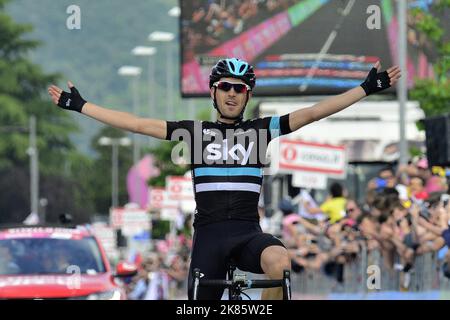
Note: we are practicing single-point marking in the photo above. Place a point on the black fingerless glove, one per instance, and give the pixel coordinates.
(71, 101)
(376, 82)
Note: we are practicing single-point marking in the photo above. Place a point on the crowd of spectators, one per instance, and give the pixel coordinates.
(162, 272)
(206, 24)
(405, 214)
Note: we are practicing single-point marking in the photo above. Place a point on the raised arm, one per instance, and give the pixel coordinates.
(73, 101)
(437, 230)
(376, 81)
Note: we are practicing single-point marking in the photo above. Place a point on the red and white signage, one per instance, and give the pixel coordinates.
(300, 156)
(179, 188)
(130, 221)
(159, 199)
(309, 180)
(178, 194)
(157, 196)
(107, 237)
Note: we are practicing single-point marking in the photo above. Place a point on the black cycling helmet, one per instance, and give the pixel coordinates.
(232, 68)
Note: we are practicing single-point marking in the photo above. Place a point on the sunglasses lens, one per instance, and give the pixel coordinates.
(240, 88)
(226, 86)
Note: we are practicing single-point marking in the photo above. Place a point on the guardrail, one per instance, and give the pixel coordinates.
(426, 275)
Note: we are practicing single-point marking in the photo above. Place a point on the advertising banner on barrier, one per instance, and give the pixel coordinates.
(130, 220)
(300, 156)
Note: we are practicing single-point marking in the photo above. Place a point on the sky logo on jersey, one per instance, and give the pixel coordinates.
(221, 152)
(212, 146)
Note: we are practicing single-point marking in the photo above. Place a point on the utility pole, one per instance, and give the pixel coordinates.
(34, 169)
(402, 89)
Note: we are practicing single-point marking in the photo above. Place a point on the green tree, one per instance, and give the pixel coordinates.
(22, 89)
(99, 48)
(163, 161)
(22, 94)
(434, 94)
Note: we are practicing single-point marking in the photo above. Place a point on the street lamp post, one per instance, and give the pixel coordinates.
(142, 51)
(34, 167)
(174, 12)
(402, 89)
(134, 72)
(167, 37)
(114, 143)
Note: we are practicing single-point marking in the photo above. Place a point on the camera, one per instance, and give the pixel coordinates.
(381, 183)
(424, 213)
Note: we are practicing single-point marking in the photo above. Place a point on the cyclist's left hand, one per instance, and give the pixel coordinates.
(377, 81)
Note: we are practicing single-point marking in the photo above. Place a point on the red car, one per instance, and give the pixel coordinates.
(57, 263)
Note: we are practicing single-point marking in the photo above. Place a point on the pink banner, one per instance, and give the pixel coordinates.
(137, 181)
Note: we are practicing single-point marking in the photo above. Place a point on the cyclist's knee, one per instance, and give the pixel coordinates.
(274, 260)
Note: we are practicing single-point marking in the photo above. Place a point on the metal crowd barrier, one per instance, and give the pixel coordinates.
(426, 275)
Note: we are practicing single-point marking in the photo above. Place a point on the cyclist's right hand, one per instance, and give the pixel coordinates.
(67, 100)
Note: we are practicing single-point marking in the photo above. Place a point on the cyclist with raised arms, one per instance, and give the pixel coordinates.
(226, 169)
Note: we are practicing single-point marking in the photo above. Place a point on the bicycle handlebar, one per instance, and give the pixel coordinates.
(256, 284)
(265, 283)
